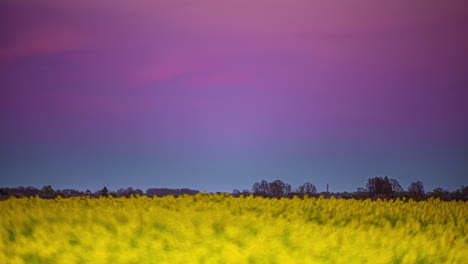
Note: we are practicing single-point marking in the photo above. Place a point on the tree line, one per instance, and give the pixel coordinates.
(376, 187)
(49, 192)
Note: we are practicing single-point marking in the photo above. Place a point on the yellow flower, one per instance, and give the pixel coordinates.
(219, 228)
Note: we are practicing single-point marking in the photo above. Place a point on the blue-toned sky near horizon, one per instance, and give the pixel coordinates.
(216, 95)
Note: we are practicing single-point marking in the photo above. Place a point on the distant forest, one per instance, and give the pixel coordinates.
(377, 187)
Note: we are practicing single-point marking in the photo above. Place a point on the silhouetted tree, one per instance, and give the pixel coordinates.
(287, 189)
(256, 188)
(265, 188)
(165, 191)
(277, 188)
(396, 187)
(416, 190)
(120, 192)
(4, 191)
(125, 192)
(379, 186)
(362, 190)
(152, 192)
(245, 192)
(307, 188)
(261, 188)
(104, 191)
(460, 194)
(375, 187)
(440, 193)
(71, 192)
(21, 191)
(361, 193)
(464, 192)
(30, 191)
(47, 190)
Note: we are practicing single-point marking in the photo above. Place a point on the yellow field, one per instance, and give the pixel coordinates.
(223, 229)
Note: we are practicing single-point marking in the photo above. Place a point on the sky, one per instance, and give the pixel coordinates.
(216, 95)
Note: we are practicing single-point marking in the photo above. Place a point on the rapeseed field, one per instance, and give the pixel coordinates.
(218, 228)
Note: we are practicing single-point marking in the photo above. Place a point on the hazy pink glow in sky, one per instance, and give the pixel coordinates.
(236, 76)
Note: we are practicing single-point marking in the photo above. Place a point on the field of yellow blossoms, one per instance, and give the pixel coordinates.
(218, 228)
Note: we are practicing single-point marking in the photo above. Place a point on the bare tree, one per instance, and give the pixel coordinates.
(125, 191)
(416, 190)
(265, 187)
(307, 188)
(256, 188)
(261, 188)
(396, 187)
(277, 188)
(440, 193)
(379, 186)
(287, 189)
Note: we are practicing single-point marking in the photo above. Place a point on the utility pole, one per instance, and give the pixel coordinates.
(327, 187)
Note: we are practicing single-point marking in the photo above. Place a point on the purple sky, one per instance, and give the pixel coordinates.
(216, 94)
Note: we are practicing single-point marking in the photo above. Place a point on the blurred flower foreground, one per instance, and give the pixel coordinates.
(218, 228)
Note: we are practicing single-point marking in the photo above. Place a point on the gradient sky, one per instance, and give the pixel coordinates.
(216, 95)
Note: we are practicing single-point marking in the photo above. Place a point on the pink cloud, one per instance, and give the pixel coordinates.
(218, 79)
(274, 16)
(42, 40)
(63, 103)
(157, 73)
